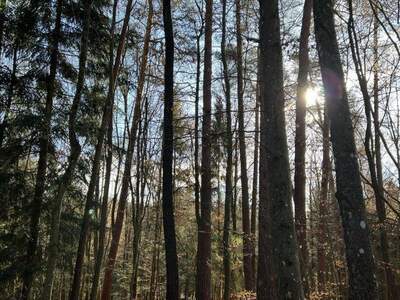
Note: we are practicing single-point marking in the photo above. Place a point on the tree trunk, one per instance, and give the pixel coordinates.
(253, 227)
(45, 132)
(375, 166)
(247, 269)
(155, 251)
(107, 114)
(203, 279)
(299, 196)
(275, 185)
(75, 152)
(392, 289)
(360, 261)
(323, 204)
(229, 162)
(171, 258)
(196, 129)
(104, 203)
(107, 281)
(138, 208)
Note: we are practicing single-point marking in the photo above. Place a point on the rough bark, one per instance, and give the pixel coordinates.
(171, 258)
(299, 196)
(275, 185)
(44, 141)
(360, 261)
(203, 276)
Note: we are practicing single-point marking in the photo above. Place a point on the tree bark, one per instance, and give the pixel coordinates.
(323, 204)
(203, 279)
(229, 162)
(360, 261)
(253, 227)
(45, 132)
(171, 258)
(275, 185)
(247, 269)
(196, 129)
(299, 196)
(156, 249)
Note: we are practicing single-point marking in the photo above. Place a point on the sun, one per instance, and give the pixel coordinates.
(312, 96)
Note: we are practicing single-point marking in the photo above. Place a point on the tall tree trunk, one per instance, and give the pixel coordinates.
(229, 162)
(299, 196)
(349, 193)
(275, 185)
(253, 220)
(323, 204)
(138, 208)
(235, 179)
(155, 251)
(247, 269)
(45, 132)
(203, 279)
(104, 203)
(107, 281)
(103, 215)
(107, 114)
(389, 291)
(75, 152)
(196, 129)
(171, 258)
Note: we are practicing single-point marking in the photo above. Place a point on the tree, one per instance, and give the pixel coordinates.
(247, 266)
(167, 159)
(104, 204)
(229, 163)
(105, 121)
(203, 274)
(126, 177)
(360, 262)
(72, 159)
(299, 196)
(43, 155)
(278, 268)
